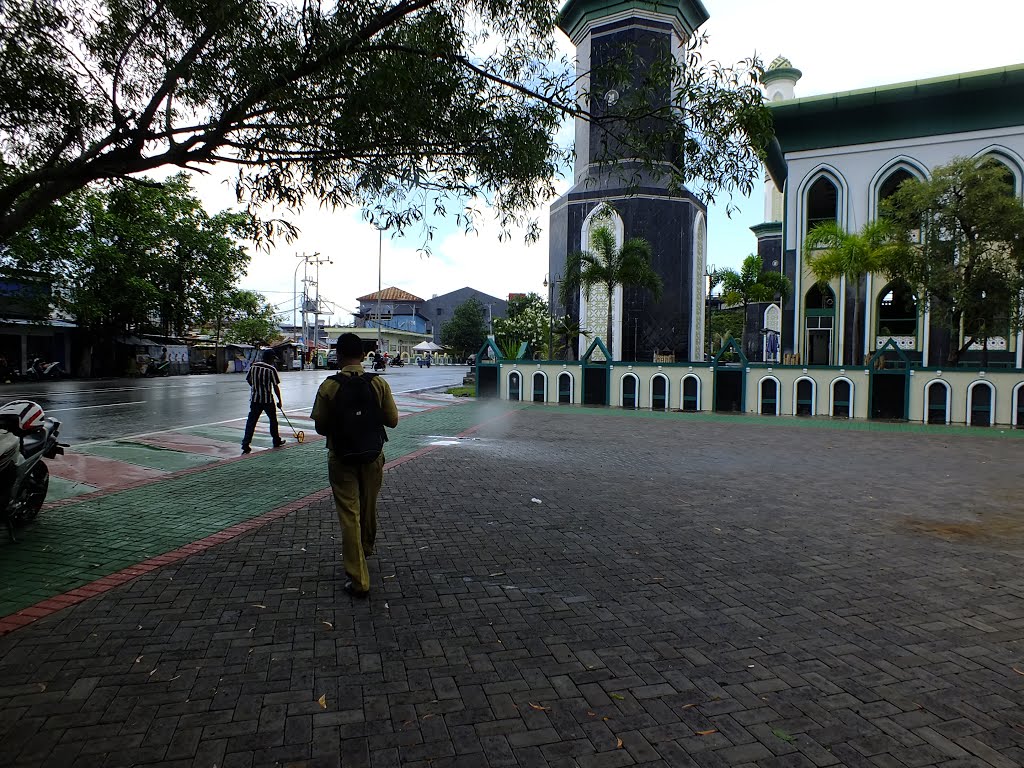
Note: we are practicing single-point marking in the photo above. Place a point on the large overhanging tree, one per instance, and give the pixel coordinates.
(403, 107)
(962, 236)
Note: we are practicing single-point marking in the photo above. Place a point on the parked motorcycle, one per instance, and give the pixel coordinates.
(27, 437)
(39, 370)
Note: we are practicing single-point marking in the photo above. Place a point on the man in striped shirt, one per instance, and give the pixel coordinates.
(266, 386)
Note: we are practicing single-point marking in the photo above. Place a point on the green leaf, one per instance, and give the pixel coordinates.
(781, 734)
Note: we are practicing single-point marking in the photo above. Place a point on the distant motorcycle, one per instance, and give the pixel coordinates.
(158, 367)
(397, 362)
(379, 364)
(27, 437)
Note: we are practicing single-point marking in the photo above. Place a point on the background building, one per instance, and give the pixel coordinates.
(439, 309)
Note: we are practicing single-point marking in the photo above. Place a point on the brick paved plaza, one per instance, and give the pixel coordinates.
(690, 591)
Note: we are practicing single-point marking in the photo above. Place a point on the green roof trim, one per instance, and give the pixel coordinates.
(731, 344)
(971, 101)
(767, 228)
(577, 14)
(597, 343)
(780, 73)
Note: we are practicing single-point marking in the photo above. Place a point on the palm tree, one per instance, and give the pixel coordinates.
(567, 331)
(609, 266)
(751, 285)
(833, 252)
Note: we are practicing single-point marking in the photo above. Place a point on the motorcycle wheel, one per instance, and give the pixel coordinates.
(35, 494)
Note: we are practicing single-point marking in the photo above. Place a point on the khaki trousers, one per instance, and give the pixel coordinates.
(355, 488)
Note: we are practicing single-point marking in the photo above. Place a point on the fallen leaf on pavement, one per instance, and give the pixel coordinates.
(591, 714)
(707, 732)
(690, 706)
(258, 605)
(539, 707)
(322, 701)
(327, 624)
(618, 696)
(618, 743)
(1017, 671)
(781, 734)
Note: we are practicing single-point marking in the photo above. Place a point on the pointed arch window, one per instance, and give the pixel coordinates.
(822, 202)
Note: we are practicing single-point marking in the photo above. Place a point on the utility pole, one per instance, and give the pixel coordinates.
(295, 291)
(316, 311)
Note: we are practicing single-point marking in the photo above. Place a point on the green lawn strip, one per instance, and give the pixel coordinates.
(815, 422)
(151, 456)
(73, 545)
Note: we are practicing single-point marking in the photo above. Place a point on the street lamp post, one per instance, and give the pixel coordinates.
(550, 285)
(710, 275)
(380, 250)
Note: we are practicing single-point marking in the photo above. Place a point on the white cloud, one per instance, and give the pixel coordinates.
(838, 46)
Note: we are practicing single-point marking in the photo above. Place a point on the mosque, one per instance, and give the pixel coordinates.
(835, 157)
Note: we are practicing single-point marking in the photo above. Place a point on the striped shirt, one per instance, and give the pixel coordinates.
(262, 377)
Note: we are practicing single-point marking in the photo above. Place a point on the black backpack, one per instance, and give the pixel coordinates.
(357, 434)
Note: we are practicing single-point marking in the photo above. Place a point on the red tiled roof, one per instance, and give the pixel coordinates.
(391, 294)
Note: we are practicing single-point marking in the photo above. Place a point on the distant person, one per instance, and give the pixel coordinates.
(351, 409)
(266, 386)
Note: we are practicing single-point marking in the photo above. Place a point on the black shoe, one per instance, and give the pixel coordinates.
(246, 449)
(351, 589)
(279, 443)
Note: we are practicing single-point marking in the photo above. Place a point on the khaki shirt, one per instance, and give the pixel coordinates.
(321, 414)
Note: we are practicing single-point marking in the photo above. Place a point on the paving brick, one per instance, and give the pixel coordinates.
(864, 640)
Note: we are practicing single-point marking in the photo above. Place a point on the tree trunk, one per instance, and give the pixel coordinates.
(610, 341)
(856, 323)
(743, 332)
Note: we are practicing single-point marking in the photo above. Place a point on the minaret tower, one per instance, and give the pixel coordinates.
(638, 31)
(779, 82)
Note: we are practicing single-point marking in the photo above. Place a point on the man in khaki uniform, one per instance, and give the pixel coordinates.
(355, 486)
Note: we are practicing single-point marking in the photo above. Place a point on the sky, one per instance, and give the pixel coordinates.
(837, 46)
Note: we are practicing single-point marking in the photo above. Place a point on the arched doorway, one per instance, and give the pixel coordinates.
(819, 321)
(659, 393)
(630, 386)
(540, 387)
(842, 399)
(515, 386)
(804, 397)
(565, 387)
(768, 396)
(937, 402)
(1018, 406)
(981, 397)
(897, 316)
(691, 393)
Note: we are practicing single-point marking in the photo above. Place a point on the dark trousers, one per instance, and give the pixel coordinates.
(255, 411)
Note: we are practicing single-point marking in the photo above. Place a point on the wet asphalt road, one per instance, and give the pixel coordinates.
(104, 409)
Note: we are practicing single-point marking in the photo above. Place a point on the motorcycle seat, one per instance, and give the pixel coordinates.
(33, 441)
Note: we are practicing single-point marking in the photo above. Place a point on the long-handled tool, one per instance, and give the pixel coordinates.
(300, 436)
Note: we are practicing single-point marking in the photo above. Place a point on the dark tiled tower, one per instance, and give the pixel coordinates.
(674, 224)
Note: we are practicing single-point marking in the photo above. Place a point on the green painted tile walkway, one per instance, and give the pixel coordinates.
(75, 544)
(148, 455)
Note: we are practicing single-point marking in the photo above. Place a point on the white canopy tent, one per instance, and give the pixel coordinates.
(427, 346)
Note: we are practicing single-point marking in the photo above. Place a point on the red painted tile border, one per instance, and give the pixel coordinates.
(59, 602)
